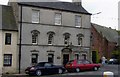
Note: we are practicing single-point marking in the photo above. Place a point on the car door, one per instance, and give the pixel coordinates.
(49, 68)
(80, 64)
(87, 65)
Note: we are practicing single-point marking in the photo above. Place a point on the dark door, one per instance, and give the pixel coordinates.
(65, 58)
(94, 56)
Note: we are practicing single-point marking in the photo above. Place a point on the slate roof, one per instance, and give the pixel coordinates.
(8, 19)
(64, 6)
(110, 34)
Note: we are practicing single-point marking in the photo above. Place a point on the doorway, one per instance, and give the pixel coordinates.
(94, 57)
(65, 58)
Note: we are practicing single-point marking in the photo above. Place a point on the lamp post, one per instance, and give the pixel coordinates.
(19, 67)
(97, 13)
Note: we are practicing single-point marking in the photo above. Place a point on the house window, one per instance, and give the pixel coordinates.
(78, 21)
(50, 58)
(66, 38)
(34, 39)
(58, 19)
(84, 56)
(77, 56)
(34, 58)
(8, 39)
(50, 37)
(7, 60)
(35, 16)
(80, 39)
(35, 36)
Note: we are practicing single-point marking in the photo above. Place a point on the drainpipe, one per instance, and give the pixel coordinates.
(20, 28)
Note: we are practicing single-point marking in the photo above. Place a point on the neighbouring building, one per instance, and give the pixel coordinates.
(103, 42)
(8, 40)
(52, 31)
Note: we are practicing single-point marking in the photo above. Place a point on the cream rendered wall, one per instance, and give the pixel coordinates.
(10, 49)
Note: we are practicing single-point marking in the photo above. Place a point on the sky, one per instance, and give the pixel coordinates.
(107, 11)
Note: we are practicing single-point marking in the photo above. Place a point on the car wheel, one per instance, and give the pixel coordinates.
(60, 71)
(77, 69)
(38, 73)
(95, 68)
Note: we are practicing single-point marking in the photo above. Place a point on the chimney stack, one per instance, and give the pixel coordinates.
(77, 2)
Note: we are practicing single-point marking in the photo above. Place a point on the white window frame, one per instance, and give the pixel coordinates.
(34, 39)
(78, 21)
(58, 18)
(50, 39)
(35, 16)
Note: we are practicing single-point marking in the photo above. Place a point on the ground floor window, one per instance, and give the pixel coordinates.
(7, 60)
(50, 58)
(84, 56)
(34, 58)
(77, 56)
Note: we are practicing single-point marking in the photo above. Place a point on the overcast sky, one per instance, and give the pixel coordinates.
(108, 8)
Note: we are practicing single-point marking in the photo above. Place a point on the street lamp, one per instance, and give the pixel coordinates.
(97, 13)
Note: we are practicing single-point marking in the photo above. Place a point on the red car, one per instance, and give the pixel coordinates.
(79, 65)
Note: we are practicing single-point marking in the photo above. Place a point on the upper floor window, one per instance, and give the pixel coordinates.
(7, 60)
(78, 21)
(35, 36)
(35, 16)
(50, 37)
(80, 39)
(66, 38)
(8, 39)
(58, 19)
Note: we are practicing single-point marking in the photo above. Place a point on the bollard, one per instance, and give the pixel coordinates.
(108, 74)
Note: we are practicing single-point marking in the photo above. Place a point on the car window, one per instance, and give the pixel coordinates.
(40, 64)
(86, 62)
(79, 62)
(48, 65)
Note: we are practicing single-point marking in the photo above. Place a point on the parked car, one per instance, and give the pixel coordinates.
(80, 65)
(44, 68)
(113, 61)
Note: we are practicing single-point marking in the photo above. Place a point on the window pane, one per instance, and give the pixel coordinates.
(78, 21)
(50, 38)
(7, 59)
(79, 41)
(34, 58)
(8, 38)
(58, 19)
(35, 16)
(34, 38)
(50, 58)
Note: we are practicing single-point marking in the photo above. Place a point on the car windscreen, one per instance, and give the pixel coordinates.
(40, 64)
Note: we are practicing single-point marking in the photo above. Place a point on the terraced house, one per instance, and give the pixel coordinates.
(52, 31)
(8, 40)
